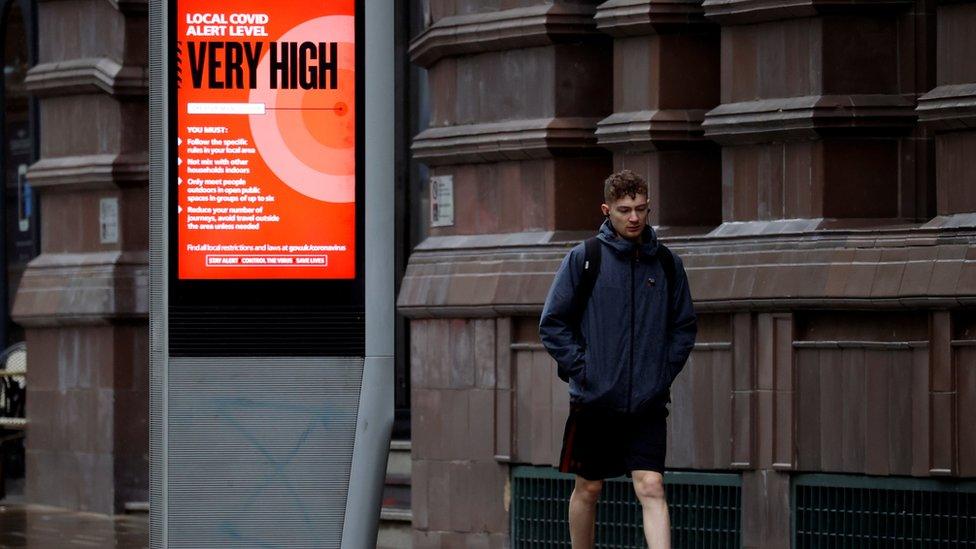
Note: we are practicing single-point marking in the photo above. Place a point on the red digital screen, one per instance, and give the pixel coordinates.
(266, 144)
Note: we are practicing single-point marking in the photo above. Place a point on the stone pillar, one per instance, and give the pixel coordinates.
(665, 77)
(817, 128)
(817, 112)
(84, 300)
(517, 90)
(949, 110)
(767, 493)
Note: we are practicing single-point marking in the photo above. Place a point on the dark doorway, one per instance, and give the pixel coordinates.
(19, 218)
(412, 113)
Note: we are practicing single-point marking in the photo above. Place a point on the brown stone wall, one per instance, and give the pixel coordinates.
(953, 394)
(948, 110)
(809, 161)
(817, 115)
(665, 78)
(83, 302)
(459, 481)
(519, 90)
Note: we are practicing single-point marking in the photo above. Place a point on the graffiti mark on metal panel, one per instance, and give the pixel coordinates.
(278, 467)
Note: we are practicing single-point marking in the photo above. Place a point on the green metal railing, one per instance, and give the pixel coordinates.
(704, 510)
(858, 511)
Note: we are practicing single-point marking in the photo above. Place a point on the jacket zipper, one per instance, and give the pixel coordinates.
(633, 306)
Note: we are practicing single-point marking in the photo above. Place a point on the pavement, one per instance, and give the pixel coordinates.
(41, 527)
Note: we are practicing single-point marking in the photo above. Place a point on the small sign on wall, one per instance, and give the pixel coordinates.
(442, 201)
(108, 220)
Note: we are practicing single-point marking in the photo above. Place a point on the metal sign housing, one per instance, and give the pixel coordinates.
(271, 278)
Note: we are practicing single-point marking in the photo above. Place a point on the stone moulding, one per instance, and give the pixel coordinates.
(503, 30)
(621, 18)
(650, 130)
(499, 141)
(90, 75)
(478, 282)
(808, 117)
(96, 171)
(755, 11)
(949, 107)
(492, 241)
(892, 268)
(70, 289)
(776, 226)
(953, 221)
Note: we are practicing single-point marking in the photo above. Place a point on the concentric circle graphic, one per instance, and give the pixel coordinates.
(307, 137)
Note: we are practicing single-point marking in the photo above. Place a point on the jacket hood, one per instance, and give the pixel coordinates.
(648, 244)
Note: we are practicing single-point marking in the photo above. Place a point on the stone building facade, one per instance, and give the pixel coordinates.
(811, 161)
(83, 301)
(813, 164)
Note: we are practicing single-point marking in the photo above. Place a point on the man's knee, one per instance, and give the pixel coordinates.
(588, 490)
(649, 485)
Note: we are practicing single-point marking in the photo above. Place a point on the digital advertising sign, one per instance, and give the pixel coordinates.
(265, 173)
(271, 258)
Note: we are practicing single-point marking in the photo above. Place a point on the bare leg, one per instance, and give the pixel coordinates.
(649, 486)
(582, 512)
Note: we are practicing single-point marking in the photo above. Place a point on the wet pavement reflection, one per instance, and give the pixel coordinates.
(40, 527)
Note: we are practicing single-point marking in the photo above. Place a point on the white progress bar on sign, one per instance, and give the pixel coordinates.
(225, 108)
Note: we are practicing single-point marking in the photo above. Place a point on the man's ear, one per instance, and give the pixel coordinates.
(606, 209)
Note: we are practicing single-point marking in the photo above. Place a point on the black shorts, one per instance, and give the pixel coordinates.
(600, 444)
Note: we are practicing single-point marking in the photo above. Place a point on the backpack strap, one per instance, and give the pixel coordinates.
(591, 270)
(666, 259)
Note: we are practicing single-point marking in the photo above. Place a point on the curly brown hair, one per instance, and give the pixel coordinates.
(623, 183)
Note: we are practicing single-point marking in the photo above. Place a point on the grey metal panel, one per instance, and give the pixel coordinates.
(158, 152)
(375, 421)
(260, 450)
(379, 173)
(368, 474)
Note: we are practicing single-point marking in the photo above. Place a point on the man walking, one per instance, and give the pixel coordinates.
(620, 324)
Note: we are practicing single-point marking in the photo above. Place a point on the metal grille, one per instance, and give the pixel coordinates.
(157, 274)
(704, 510)
(842, 511)
(268, 331)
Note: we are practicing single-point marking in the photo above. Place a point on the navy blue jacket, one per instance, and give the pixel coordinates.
(631, 343)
